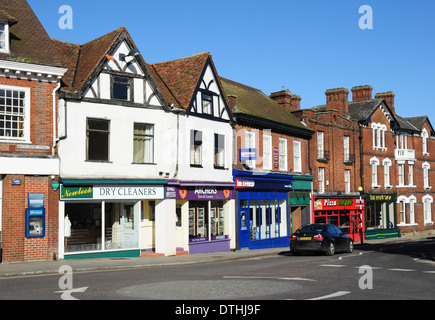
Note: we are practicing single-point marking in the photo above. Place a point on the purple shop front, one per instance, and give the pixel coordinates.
(209, 213)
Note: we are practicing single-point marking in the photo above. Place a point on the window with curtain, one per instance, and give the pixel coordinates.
(219, 150)
(143, 143)
(195, 148)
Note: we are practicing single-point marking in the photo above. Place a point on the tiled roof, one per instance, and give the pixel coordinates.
(30, 42)
(254, 102)
(178, 79)
(81, 60)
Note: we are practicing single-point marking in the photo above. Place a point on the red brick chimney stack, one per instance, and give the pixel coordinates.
(289, 101)
(361, 93)
(337, 99)
(388, 98)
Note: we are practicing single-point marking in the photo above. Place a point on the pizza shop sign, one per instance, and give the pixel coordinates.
(339, 204)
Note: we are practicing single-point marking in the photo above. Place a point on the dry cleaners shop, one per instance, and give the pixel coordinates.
(102, 218)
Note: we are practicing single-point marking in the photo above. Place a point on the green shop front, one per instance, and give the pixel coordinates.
(380, 216)
(101, 218)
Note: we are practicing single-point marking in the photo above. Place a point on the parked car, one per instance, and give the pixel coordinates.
(326, 238)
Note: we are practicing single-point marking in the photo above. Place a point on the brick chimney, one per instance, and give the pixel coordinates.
(337, 99)
(388, 98)
(232, 100)
(361, 93)
(289, 101)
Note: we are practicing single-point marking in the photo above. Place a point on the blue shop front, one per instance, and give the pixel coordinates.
(263, 209)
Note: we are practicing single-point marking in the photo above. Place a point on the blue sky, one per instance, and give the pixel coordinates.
(307, 46)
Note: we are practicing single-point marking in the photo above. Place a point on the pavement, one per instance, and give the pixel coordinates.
(34, 268)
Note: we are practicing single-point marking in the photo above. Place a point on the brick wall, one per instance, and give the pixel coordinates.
(16, 247)
(41, 122)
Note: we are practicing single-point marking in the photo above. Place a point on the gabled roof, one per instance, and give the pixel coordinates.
(253, 102)
(82, 60)
(362, 110)
(419, 122)
(180, 78)
(29, 41)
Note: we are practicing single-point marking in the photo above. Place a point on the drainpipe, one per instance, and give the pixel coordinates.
(55, 139)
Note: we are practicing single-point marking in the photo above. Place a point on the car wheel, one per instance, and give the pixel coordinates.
(331, 249)
(350, 248)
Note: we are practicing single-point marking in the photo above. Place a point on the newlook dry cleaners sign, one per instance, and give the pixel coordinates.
(112, 192)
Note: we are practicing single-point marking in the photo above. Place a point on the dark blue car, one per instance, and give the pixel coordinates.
(319, 237)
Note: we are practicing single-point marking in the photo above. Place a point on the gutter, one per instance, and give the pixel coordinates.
(55, 138)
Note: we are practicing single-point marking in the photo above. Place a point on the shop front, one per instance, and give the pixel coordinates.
(347, 213)
(380, 217)
(205, 211)
(263, 209)
(103, 220)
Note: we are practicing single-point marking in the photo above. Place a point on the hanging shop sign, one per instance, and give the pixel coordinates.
(112, 192)
(339, 203)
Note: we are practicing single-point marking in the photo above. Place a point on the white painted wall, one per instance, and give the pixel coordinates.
(72, 150)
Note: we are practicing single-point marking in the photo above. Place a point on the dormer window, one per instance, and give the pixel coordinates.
(4, 37)
(121, 88)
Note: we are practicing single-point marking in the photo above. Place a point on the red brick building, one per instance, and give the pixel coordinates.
(365, 149)
(30, 74)
(273, 181)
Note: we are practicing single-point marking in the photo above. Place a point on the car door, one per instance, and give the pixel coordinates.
(340, 238)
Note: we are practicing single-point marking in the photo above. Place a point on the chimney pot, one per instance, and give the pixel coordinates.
(361, 93)
(290, 102)
(388, 98)
(337, 99)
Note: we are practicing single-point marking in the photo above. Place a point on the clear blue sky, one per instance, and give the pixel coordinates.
(306, 46)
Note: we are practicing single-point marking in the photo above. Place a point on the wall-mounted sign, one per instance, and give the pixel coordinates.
(199, 193)
(248, 154)
(270, 184)
(16, 182)
(112, 192)
(339, 203)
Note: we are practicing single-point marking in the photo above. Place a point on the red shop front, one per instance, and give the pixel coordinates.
(347, 213)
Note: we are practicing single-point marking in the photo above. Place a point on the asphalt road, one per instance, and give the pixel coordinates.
(397, 271)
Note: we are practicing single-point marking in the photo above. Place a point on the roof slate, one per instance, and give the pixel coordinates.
(254, 102)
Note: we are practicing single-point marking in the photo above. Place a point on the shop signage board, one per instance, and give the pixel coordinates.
(112, 192)
(256, 183)
(199, 193)
(339, 203)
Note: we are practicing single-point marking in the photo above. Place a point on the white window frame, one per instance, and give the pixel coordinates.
(402, 201)
(27, 114)
(267, 152)
(378, 131)
(6, 48)
(425, 139)
(411, 173)
(427, 209)
(297, 160)
(347, 180)
(346, 147)
(321, 179)
(250, 144)
(387, 177)
(320, 145)
(374, 162)
(426, 173)
(282, 154)
(401, 173)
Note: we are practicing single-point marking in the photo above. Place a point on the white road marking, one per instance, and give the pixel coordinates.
(333, 265)
(273, 278)
(332, 295)
(404, 270)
